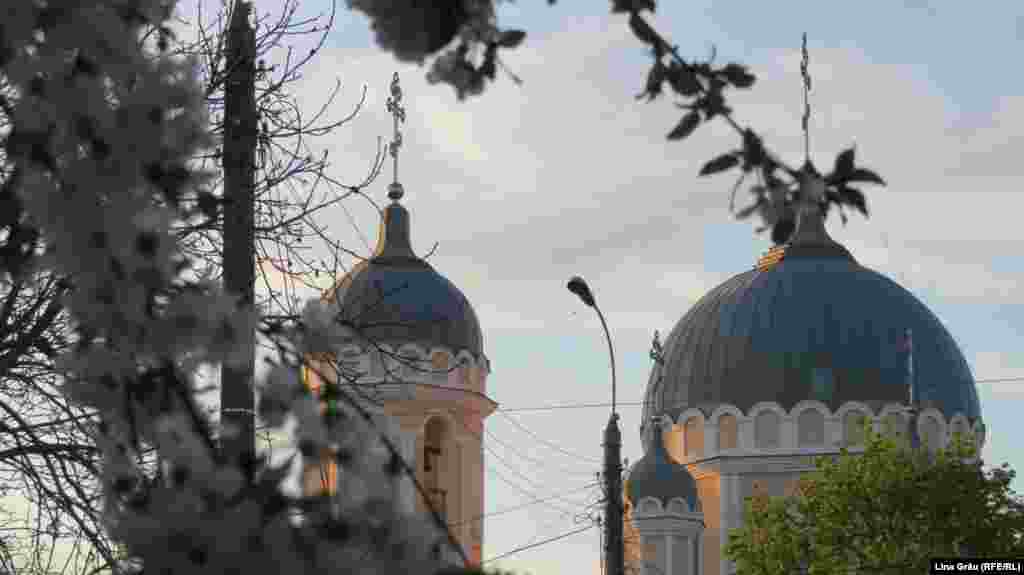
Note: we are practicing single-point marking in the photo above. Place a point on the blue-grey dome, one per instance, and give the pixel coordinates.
(659, 476)
(816, 325)
(395, 297)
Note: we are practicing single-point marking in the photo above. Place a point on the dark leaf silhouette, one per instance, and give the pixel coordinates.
(782, 230)
(642, 30)
(844, 163)
(864, 175)
(686, 126)
(621, 6)
(753, 150)
(720, 164)
(655, 77)
(748, 211)
(854, 197)
(682, 79)
(511, 38)
(738, 75)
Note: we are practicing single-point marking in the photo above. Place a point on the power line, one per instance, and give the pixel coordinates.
(546, 442)
(537, 544)
(509, 482)
(537, 461)
(589, 405)
(524, 505)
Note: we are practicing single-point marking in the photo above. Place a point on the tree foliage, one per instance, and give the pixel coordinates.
(700, 87)
(104, 125)
(887, 511)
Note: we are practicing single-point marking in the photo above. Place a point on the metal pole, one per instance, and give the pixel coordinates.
(615, 552)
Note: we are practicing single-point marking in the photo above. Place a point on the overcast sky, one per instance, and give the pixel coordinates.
(569, 174)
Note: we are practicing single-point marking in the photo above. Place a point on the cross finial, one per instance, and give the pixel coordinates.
(394, 104)
(807, 105)
(656, 353)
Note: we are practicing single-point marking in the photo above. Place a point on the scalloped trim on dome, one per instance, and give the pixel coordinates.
(789, 431)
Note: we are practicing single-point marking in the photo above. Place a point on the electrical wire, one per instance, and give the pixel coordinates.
(505, 410)
(524, 505)
(537, 544)
(513, 421)
(537, 461)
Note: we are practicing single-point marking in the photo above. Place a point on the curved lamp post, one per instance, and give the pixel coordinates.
(614, 552)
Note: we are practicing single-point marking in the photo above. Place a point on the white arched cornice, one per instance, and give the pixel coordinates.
(785, 429)
(806, 404)
(942, 435)
(726, 409)
(980, 433)
(802, 407)
(648, 505)
(841, 417)
(700, 448)
(766, 406)
(713, 428)
(892, 408)
(854, 406)
(679, 506)
(959, 424)
(683, 417)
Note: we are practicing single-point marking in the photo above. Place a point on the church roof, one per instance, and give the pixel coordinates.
(813, 324)
(396, 297)
(658, 475)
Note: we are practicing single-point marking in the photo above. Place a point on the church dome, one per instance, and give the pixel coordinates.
(813, 325)
(395, 297)
(659, 476)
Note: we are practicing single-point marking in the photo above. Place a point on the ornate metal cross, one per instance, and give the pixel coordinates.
(397, 111)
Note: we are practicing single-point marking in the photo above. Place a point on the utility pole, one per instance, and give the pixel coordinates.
(240, 132)
(614, 552)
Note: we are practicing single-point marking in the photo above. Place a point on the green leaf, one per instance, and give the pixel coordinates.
(720, 164)
(738, 75)
(844, 163)
(864, 175)
(511, 38)
(686, 126)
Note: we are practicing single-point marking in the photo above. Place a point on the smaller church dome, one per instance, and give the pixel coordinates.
(396, 297)
(659, 476)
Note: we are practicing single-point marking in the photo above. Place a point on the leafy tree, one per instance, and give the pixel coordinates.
(415, 31)
(887, 510)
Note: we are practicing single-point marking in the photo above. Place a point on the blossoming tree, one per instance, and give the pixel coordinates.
(102, 128)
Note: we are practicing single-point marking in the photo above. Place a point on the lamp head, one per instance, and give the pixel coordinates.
(579, 287)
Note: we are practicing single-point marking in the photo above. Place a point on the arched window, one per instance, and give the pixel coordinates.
(960, 429)
(810, 426)
(693, 439)
(894, 426)
(853, 428)
(727, 432)
(434, 461)
(766, 430)
(930, 433)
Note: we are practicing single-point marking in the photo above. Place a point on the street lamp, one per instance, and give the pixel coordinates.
(614, 552)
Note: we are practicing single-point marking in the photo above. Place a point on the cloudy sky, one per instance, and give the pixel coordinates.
(569, 174)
